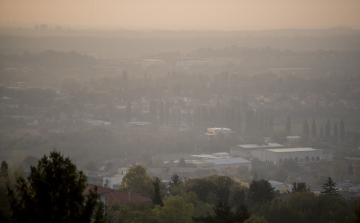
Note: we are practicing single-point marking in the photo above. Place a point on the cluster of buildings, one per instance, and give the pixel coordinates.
(276, 153)
(114, 197)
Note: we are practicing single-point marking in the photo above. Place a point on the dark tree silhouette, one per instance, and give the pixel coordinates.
(306, 129)
(321, 131)
(175, 180)
(128, 111)
(167, 114)
(161, 112)
(327, 128)
(156, 198)
(261, 191)
(223, 213)
(54, 193)
(299, 187)
(342, 130)
(313, 129)
(288, 125)
(330, 188)
(336, 131)
(182, 163)
(4, 171)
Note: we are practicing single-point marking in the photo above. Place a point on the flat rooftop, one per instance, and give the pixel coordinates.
(290, 150)
(216, 128)
(202, 156)
(224, 161)
(256, 146)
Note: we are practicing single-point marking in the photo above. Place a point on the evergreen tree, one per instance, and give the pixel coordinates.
(330, 188)
(173, 116)
(182, 163)
(261, 124)
(342, 130)
(288, 126)
(161, 112)
(336, 131)
(178, 119)
(299, 187)
(154, 111)
(167, 114)
(313, 129)
(321, 131)
(223, 213)
(261, 191)
(124, 78)
(54, 193)
(327, 128)
(156, 198)
(239, 122)
(306, 130)
(175, 180)
(266, 124)
(271, 124)
(4, 171)
(189, 117)
(128, 111)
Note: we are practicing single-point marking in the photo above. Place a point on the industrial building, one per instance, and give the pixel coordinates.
(220, 160)
(246, 150)
(300, 155)
(229, 162)
(213, 156)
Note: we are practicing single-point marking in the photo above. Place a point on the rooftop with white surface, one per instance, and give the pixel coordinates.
(265, 145)
(288, 150)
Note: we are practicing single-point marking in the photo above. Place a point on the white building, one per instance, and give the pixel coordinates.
(281, 187)
(114, 181)
(213, 156)
(300, 155)
(212, 132)
(229, 162)
(246, 150)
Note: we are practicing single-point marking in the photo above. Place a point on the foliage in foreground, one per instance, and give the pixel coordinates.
(54, 193)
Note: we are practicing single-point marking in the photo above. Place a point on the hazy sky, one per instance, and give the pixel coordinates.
(185, 14)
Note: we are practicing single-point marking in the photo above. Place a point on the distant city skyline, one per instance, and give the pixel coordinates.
(186, 14)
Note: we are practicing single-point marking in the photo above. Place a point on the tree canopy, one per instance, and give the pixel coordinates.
(174, 210)
(261, 191)
(137, 181)
(54, 193)
(330, 188)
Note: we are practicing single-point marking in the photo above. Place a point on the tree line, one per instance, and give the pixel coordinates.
(54, 193)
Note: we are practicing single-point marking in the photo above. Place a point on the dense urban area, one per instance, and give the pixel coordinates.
(179, 126)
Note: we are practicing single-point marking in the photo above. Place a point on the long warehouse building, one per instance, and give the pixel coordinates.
(300, 155)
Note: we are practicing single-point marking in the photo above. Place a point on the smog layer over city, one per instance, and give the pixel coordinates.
(180, 111)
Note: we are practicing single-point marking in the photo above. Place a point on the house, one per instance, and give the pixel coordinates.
(115, 197)
(184, 172)
(114, 181)
(281, 187)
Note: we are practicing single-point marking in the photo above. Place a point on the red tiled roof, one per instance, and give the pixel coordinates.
(120, 198)
(116, 197)
(100, 190)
